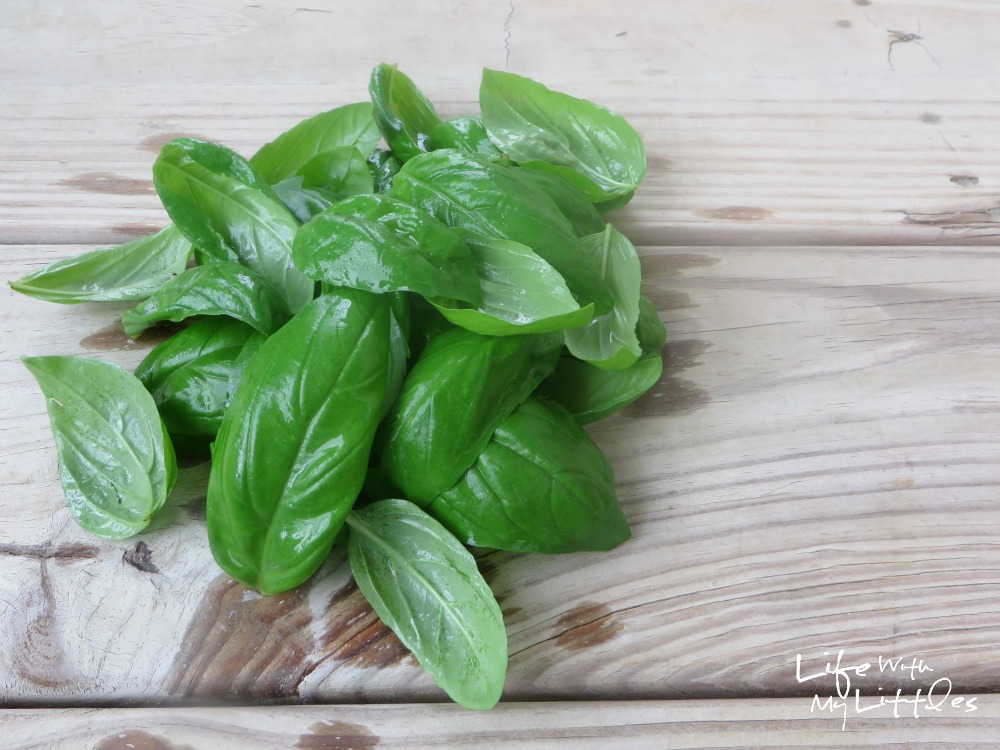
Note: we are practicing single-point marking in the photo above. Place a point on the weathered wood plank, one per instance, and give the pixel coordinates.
(640, 725)
(816, 471)
(795, 123)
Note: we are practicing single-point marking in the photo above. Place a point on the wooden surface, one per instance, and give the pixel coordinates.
(818, 469)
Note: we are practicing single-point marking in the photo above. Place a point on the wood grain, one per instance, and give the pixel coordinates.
(640, 725)
(816, 471)
(786, 123)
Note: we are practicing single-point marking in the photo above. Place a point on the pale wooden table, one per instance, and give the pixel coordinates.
(818, 470)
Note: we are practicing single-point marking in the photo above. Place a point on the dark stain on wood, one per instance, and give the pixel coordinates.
(113, 337)
(737, 213)
(930, 118)
(109, 183)
(48, 551)
(133, 230)
(357, 636)
(36, 652)
(674, 264)
(153, 143)
(140, 557)
(674, 394)
(241, 644)
(844, 24)
(862, 2)
(135, 739)
(964, 180)
(337, 735)
(245, 646)
(588, 625)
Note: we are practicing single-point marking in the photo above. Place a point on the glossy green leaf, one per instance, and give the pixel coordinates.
(583, 141)
(572, 202)
(343, 171)
(471, 193)
(291, 454)
(541, 485)
(124, 273)
(650, 330)
(465, 134)
(399, 349)
(116, 462)
(193, 374)
(304, 203)
(454, 397)
(383, 166)
(521, 293)
(404, 115)
(610, 341)
(214, 289)
(590, 393)
(380, 244)
(425, 586)
(351, 125)
(227, 210)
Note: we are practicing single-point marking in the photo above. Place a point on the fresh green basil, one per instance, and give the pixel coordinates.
(404, 115)
(465, 134)
(610, 341)
(230, 213)
(124, 273)
(590, 393)
(544, 129)
(459, 390)
(380, 244)
(541, 485)
(192, 375)
(291, 454)
(116, 462)
(649, 329)
(521, 293)
(425, 586)
(571, 201)
(471, 193)
(351, 125)
(214, 289)
(383, 166)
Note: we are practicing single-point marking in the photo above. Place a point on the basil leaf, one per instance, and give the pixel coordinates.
(521, 293)
(291, 454)
(582, 141)
(471, 193)
(590, 393)
(191, 376)
(399, 349)
(116, 462)
(304, 203)
(404, 115)
(650, 330)
(425, 586)
(128, 272)
(230, 213)
(541, 485)
(214, 289)
(452, 400)
(350, 125)
(379, 244)
(610, 340)
(343, 171)
(571, 201)
(383, 166)
(465, 134)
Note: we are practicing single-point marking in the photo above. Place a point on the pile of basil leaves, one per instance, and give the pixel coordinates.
(392, 347)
